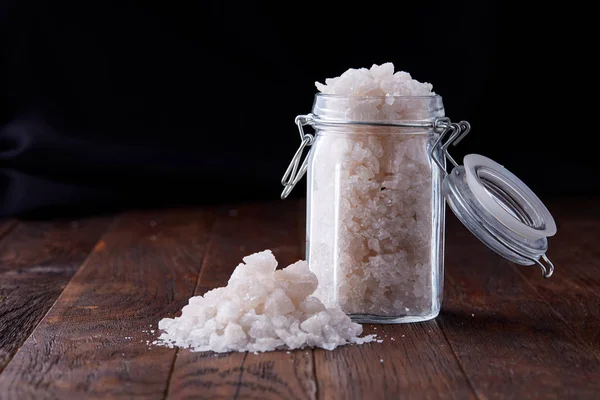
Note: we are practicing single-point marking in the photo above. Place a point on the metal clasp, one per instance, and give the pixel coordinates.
(457, 132)
(296, 170)
(293, 174)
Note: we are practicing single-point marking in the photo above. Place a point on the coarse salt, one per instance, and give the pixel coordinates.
(261, 309)
(371, 229)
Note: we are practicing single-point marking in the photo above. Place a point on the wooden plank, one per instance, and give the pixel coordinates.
(509, 341)
(273, 375)
(91, 344)
(417, 363)
(37, 260)
(413, 361)
(574, 290)
(6, 226)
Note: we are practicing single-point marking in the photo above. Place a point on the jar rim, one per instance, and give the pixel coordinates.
(336, 107)
(344, 96)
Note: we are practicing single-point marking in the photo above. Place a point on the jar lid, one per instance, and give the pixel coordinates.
(501, 211)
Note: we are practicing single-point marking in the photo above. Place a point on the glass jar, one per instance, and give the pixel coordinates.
(375, 214)
(375, 204)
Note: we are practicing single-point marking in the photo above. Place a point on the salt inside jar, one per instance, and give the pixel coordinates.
(375, 198)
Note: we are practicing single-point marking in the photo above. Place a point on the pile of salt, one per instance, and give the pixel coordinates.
(261, 309)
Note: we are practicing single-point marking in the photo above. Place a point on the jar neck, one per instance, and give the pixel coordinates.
(391, 109)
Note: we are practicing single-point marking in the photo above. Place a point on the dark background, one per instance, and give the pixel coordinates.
(111, 105)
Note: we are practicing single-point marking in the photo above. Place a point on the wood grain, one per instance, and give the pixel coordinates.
(574, 290)
(5, 226)
(509, 341)
(274, 375)
(505, 332)
(413, 361)
(92, 343)
(37, 260)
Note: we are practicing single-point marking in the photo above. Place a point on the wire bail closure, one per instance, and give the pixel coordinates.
(457, 132)
(293, 174)
(443, 126)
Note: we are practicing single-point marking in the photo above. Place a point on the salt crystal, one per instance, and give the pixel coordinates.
(380, 80)
(364, 339)
(261, 309)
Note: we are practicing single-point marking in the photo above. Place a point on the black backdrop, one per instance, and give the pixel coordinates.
(126, 104)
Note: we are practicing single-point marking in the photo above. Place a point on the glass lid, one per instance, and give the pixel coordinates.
(494, 204)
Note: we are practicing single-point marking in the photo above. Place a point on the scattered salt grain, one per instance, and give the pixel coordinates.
(261, 309)
(364, 339)
(381, 360)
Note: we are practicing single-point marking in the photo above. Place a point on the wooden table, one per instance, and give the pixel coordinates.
(79, 301)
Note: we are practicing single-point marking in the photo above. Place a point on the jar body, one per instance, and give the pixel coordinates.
(375, 222)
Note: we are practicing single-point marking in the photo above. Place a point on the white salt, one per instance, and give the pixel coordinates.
(379, 80)
(371, 225)
(261, 309)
